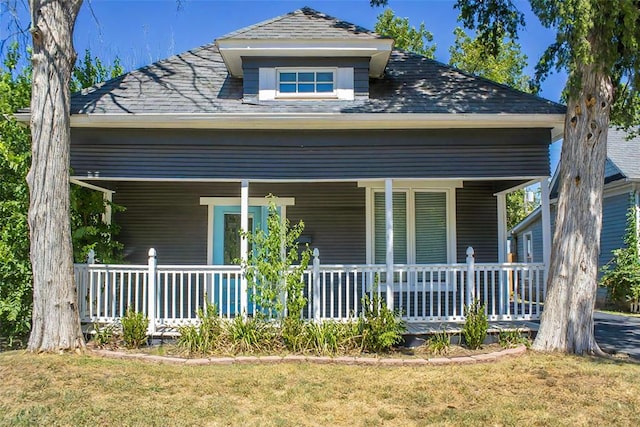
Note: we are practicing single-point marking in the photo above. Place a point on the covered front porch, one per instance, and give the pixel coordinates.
(430, 248)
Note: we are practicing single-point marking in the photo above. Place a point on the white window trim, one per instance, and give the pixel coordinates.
(343, 88)
(450, 192)
(528, 236)
(212, 202)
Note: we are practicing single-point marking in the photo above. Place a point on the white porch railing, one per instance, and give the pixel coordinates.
(171, 295)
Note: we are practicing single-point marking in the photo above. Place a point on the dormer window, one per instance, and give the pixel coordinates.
(304, 83)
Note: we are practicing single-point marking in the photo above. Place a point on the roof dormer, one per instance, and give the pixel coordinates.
(304, 33)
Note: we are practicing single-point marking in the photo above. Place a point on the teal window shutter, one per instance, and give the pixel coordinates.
(399, 228)
(431, 227)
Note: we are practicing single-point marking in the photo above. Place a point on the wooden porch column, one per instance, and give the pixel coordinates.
(244, 246)
(502, 227)
(546, 225)
(388, 211)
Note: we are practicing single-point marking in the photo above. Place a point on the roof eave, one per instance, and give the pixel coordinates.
(315, 121)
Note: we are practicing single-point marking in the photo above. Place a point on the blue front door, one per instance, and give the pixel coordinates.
(226, 251)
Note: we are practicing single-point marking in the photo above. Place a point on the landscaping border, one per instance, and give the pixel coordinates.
(294, 358)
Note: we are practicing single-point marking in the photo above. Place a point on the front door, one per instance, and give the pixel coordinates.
(226, 251)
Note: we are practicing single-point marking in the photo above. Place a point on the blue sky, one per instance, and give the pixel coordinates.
(140, 32)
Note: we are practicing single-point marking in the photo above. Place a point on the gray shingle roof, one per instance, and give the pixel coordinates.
(197, 81)
(304, 23)
(624, 155)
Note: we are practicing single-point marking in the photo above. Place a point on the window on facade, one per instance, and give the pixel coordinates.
(528, 247)
(232, 237)
(419, 227)
(306, 82)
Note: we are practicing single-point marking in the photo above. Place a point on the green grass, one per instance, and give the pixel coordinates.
(534, 389)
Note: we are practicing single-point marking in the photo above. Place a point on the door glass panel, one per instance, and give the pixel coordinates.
(232, 237)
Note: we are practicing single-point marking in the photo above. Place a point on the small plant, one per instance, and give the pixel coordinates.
(204, 337)
(330, 337)
(251, 335)
(380, 328)
(104, 336)
(134, 328)
(276, 265)
(512, 338)
(475, 326)
(439, 342)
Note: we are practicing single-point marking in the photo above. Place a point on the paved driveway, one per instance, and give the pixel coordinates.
(618, 333)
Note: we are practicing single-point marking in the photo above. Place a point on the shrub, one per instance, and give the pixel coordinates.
(250, 335)
(512, 338)
(134, 328)
(379, 327)
(330, 337)
(622, 274)
(272, 271)
(104, 336)
(204, 337)
(439, 342)
(475, 325)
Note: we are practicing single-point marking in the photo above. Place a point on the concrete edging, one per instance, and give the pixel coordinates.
(295, 358)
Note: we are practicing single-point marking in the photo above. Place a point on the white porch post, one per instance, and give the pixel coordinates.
(546, 225)
(244, 245)
(151, 292)
(388, 210)
(502, 227)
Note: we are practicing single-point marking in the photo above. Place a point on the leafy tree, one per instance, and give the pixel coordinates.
(506, 67)
(597, 43)
(87, 206)
(406, 37)
(15, 268)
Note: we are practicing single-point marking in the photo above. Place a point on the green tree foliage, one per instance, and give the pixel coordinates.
(622, 273)
(15, 154)
(506, 67)
(406, 37)
(88, 207)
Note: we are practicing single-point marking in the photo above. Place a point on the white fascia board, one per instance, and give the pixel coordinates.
(521, 186)
(232, 50)
(313, 121)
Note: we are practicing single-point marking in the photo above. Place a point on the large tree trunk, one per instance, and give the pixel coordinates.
(567, 319)
(55, 321)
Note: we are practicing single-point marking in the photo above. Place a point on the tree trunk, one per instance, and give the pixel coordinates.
(55, 320)
(567, 320)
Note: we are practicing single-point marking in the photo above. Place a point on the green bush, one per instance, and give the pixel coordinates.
(250, 335)
(204, 337)
(379, 327)
(134, 328)
(439, 342)
(475, 325)
(104, 336)
(511, 338)
(330, 338)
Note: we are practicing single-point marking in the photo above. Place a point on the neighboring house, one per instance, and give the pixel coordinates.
(621, 191)
(395, 162)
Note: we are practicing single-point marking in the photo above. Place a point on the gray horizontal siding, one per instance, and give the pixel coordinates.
(169, 217)
(267, 154)
(250, 66)
(477, 213)
(614, 224)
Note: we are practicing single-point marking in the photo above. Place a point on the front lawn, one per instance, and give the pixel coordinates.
(534, 389)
